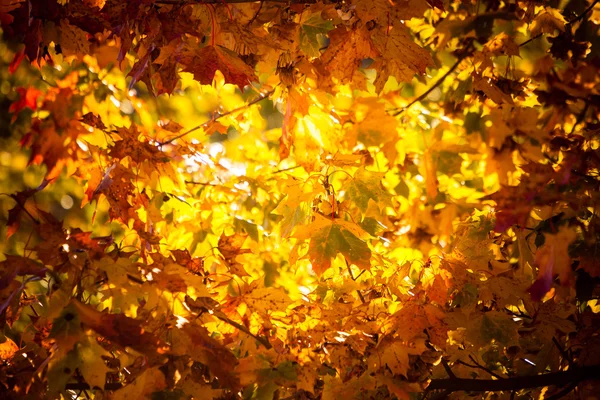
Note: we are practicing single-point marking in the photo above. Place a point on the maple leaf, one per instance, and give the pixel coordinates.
(548, 21)
(384, 11)
(150, 381)
(312, 34)
(231, 247)
(553, 259)
(207, 60)
(15, 214)
(399, 55)
(347, 48)
(328, 238)
(8, 349)
(27, 98)
(365, 186)
(118, 328)
(394, 355)
(265, 300)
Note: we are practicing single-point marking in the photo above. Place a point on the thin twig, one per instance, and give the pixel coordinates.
(22, 206)
(260, 339)
(286, 169)
(563, 352)
(362, 299)
(563, 392)
(255, 15)
(436, 84)
(476, 365)
(217, 116)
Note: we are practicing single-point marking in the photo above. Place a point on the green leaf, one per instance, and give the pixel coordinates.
(328, 238)
(312, 34)
(366, 185)
(498, 327)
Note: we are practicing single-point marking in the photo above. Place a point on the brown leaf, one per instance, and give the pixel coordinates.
(118, 328)
(346, 50)
(231, 247)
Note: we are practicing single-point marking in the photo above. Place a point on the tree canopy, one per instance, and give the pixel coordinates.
(285, 199)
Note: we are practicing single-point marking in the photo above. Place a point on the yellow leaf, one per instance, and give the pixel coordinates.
(264, 300)
(150, 381)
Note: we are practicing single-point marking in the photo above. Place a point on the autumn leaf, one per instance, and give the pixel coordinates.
(148, 382)
(118, 328)
(264, 300)
(231, 247)
(8, 349)
(27, 98)
(312, 34)
(329, 238)
(553, 259)
(346, 50)
(207, 60)
(365, 186)
(146, 141)
(400, 56)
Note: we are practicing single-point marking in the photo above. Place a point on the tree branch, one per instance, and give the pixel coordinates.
(216, 117)
(569, 378)
(562, 378)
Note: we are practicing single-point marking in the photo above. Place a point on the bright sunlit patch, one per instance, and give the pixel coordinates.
(404, 230)
(215, 149)
(66, 202)
(115, 101)
(304, 290)
(181, 321)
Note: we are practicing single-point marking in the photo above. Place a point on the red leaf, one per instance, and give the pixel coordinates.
(27, 98)
(14, 64)
(207, 60)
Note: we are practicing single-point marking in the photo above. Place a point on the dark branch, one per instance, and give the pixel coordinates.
(562, 378)
(568, 379)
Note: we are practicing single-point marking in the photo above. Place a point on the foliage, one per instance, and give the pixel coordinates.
(299, 199)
